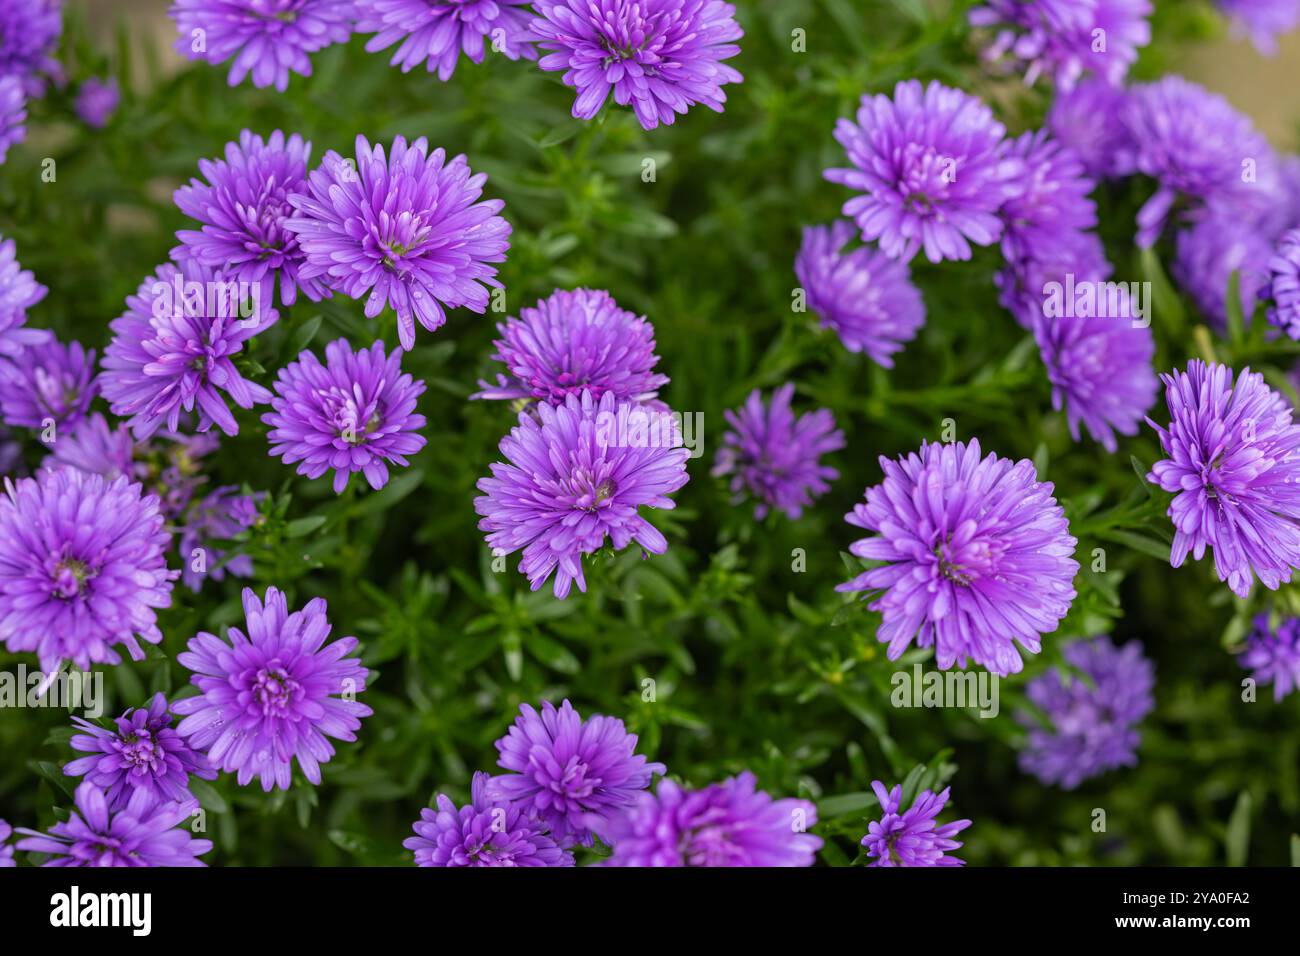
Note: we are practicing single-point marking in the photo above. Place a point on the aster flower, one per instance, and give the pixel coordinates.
(81, 568)
(13, 114)
(567, 772)
(97, 101)
(1086, 727)
(1274, 656)
(143, 752)
(731, 823)
(6, 849)
(865, 296)
(243, 206)
(220, 515)
(574, 475)
(96, 448)
(1283, 286)
(19, 291)
(1087, 120)
(1235, 470)
(574, 341)
(484, 832)
(29, 34)
(933, 169)
(47, 382)
(1208, 252)
(1197, 148)
(660, 56)
(977, 556)
(171, 352)
(775, 456)
(1262, 20)
(267, 38)
(1074, 261)
(435, 32)
(911, 838)
(145, 832)
(1066, 38)
(269, 698)
(1050, 200)
(406, 230)
(354, 413)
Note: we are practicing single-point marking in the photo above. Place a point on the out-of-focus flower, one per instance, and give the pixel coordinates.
(47, 383)
(13, 114)
(911, 838)
(435, 32)
(1283, 286)
(1273, 656)
(97, 101)
(1208, 252)
(221, 514)
(1050, 202)
(19, 291)
(29, 35)
(1262, 20)
(1088, 120)
(6, 848)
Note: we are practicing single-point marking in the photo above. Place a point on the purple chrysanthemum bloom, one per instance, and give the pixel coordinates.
(1067, 38)
(1087, 120)
(145, 832)
(731, 823)
(267, 38)
(776, 457)
(911, 838)
(143, 753)
(47, 383)
(484, 832)
(661, 56)
(1274, 656)
(29, 34)
(1262, 20)
(573, 341)
(568, 772)
(864, 295)
(172, 352)
(1283, 286)
(243, 207)
(81, 568)
(406, 230)
(435, 32)
(1056, 274)
(13, 114)
(269, 698)
(97, 449)
(1090, 725)
(6, 848)
(1209, 251)
(354, 413)
(1100, 370)
(933, 167)
(1050, 201)
(97, 101)
(574, 475)
(977, 556)
(220, 515)
(1234, 467)
(19, 291)
(1198, 148)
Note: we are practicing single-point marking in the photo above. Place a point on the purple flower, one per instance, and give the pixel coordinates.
(1050, 202)
(1208, 252)
(1234, 466)
(1283, 287)
(97, 101)
(1087, 120)
(725, 824)
(976, 556)
(13, 114)
(911, 838)
(567, 772)
(6, 850)
(574, 341)
(81, 568)
(1274, 656)
(1262, 20)
(933, 168)
(1062, 272)
(19, 291)
(574, 475)
(354, 413)
(482, 833)
(47, 382)
(145, 832)
(221, 514)
(434, 32)
(143, 753)
(864, 295)
(1197, 148)
(661, 56)
(243, 207)
(775, 456)
(173, 350)
(406, 230)
(267, 38)
(95, 448)
(268, 698)
(1066, 38)
(29, 34)
(1086, 727)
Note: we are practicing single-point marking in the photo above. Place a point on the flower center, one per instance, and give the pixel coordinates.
(70, 577)
(140, 751)
(274, 689)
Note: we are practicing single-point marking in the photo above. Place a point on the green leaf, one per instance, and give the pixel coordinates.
(1238, 836)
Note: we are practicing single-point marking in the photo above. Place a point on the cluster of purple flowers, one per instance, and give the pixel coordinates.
(29, 34)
